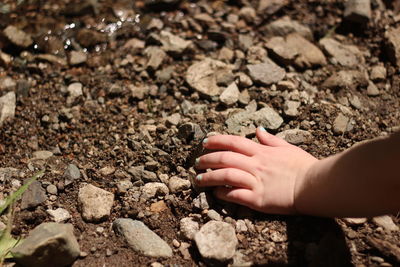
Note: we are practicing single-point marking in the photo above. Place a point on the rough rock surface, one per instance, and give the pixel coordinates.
(141, 238)
(49, 244)
(95, 203)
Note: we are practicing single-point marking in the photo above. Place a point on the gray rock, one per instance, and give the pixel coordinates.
(49, 244)
(202, 76)
(346, 79)
(216, 241)
(95, 203)
(393, 45)
(295, 49)
(77, 57)
(59, 215)
(378, 73)
(386, 223)
(7, 107)
(268, 118)
(290, 108)
(141, 239)
(33, 196)
(71, 174)
(345, 55)
(285, 26)
(266, 73)
(358, 11)
(151, 190)
(140, 174)
(340, 124)
(295, 136)
(172, 43)
(176, 184)
(17, 36)
(230, 95)
(189, 228)
(155, 57)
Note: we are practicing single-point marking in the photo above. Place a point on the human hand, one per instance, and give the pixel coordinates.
(261, 176)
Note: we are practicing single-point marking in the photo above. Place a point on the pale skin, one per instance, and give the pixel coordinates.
(273, 176)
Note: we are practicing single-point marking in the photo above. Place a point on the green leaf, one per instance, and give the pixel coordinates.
(17, 194)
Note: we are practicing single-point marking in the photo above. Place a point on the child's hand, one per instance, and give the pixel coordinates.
(261, 176)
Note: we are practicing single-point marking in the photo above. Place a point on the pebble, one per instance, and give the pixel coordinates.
(230, 95)
(49, 244)
(7, 107)
(378, 73)
(188, 228)
(151, 190)
(393, 45)
(266, 73)
(202, 76)
(95, 203)
(33, 196)
(59, 215)
(340, 124)
(17, 36)
(71, 174)
(295, 136)
(358, 11)
(172, 43)
(176, 184)
(141, 239)
(386, 223)
(216, 241)
(77, 58)
(285, 26)
(345, 55)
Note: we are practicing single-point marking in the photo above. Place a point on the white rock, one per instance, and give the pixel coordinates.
(230, 95)
(386, 223)
(59, 215)
(7, 107)
(216, 241)
(95, 203)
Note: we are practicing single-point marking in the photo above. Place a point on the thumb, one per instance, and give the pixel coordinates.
(268, 139)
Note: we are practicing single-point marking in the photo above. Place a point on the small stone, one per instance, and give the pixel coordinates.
(285, 26)
(77, 57)
(95, 203)
(59, 215)
(372, 90)
(393, 45)
(345, 55)
(358, 11)
(230, 95)
(141, 239)
(189, 228)
(386, 223)
(71, 174)
(216, 241)
(7, 107)
(213, 215)
(378, 73)
(340, 124)
(290, 108)
(355, 221)
(177, 184)
(49, 244)
(51, 189)
(266, 73)
(295, 136)
(17, 36)
(151, 190)
(172, 43)
(33, 196)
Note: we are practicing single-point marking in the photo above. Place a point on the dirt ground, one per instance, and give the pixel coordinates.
(104, 127)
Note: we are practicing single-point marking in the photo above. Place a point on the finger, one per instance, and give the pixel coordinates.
(225, 159)
(240, 196)
(227, 176)
(231, 143)
(268, 139)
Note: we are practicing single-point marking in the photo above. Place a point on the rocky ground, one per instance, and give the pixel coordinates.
(112, 98)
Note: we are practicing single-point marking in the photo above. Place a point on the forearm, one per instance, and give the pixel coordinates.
(362, 181)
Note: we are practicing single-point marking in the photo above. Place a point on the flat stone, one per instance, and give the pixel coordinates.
(230, 95)
(176, 184)
(358, 11)
(345, 55)
(59, 215)
(346, 79)
(216, 241)
(385, 222)
(189, 228)
(141, 239)
(340, 124)
(173, 43)
(285, 26)
(95, 203)
(295, 49)
(393, 45)
(33, 196)
(202, 76)
(71, 174)
(17, 36)
(266, 73)
(7, 107)
(49, 244)
(295, 136)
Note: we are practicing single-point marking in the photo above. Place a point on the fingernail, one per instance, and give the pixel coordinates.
(205, 141)
(262, 129)
(199, 177)
(197, 162)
